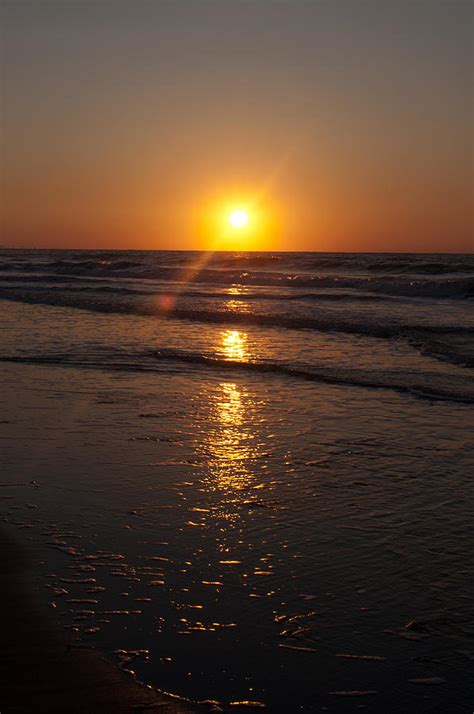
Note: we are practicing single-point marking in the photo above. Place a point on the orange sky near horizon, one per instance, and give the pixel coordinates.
(345, 127)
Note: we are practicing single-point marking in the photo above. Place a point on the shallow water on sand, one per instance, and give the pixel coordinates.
(248, 477)
(246, 536)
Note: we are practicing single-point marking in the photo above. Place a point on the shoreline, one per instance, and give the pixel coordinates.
(46, 671)
(361, 530)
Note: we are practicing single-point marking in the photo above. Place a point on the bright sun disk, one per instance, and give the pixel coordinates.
(238, 218)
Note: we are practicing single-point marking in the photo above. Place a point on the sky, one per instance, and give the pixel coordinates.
(340, 125)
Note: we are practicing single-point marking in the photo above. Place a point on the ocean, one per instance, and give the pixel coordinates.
(247, 477)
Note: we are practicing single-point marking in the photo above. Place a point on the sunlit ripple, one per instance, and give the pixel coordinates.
(234, 345)
(237, 306)
(236, 290)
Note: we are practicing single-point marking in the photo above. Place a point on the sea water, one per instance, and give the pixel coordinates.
(248, 477)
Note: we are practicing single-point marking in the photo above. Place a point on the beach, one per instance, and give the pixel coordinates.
(236, 356)
(248, 513)
(43, 669)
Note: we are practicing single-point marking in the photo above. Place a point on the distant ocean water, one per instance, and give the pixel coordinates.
(393, 320)
(248, 477)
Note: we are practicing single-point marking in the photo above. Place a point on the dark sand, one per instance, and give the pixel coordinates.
(43, 670)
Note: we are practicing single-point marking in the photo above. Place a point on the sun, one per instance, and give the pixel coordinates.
(238, 218)
(237, 221)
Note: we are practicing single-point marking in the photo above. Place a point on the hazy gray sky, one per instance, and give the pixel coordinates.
(349, 121)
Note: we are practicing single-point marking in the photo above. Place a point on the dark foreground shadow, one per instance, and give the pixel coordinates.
(45, 671)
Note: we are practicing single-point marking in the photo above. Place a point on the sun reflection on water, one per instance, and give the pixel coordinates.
(234, 345)
(231, 446)
(237, 306)
(229, 442)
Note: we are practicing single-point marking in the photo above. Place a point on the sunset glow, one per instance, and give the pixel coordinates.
(345, 173)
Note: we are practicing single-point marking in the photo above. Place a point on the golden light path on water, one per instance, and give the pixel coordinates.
(231, 443)
(232, 447)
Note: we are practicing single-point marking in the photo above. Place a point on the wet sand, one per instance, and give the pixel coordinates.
(43, 670)
(165, 515)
